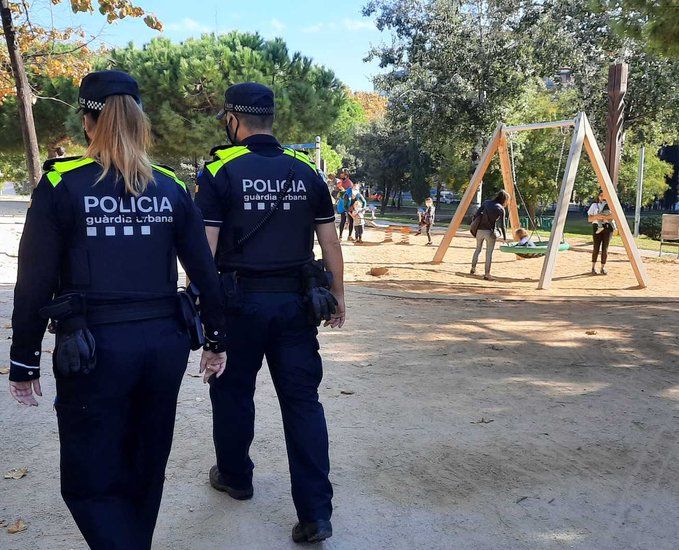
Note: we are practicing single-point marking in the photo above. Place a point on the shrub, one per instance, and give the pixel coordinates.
(651, 226)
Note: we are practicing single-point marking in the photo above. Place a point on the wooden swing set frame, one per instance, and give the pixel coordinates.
(582, 135)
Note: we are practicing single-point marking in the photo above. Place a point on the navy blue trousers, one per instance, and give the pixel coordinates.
(274, 325)
(115, 430)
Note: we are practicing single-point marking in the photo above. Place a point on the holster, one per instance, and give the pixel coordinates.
(75, 350)
(233, 292)
(188, 310)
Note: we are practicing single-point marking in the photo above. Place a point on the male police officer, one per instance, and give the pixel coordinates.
(262, 205)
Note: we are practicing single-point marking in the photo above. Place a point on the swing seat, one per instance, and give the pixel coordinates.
(540, 249)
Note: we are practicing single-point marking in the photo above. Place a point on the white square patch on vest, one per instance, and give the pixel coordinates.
(286, 206)
(145, 229)
(91, 231)
(247, 206)
(261, 206)
(128, 230)
(110, 231)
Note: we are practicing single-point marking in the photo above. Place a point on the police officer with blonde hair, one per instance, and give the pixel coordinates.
(98, 256)
(263, 205)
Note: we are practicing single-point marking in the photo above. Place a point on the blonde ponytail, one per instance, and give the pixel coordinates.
(120, 140)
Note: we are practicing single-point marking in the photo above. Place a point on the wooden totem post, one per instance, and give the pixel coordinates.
(617, 88)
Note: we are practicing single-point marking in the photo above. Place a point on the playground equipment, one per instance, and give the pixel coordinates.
(669, 233)
(314, 146)
(405, 235)
(582, 136)
(540, 249)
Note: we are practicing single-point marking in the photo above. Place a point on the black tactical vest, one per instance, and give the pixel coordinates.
(118, 246)
(250, 180)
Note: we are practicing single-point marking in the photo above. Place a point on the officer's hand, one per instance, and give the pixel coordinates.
(212, 363)
(23, 391)
(337, 319)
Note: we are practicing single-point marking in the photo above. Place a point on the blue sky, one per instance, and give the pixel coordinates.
(334, 34)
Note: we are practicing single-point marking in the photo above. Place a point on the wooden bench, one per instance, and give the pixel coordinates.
(670, 231)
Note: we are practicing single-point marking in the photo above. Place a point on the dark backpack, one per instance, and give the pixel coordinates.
(476, 220)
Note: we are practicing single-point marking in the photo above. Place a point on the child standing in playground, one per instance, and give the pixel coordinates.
(427, 219)
(357, 211)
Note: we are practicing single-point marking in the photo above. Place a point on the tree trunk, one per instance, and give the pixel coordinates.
(385, 200)
(24, 100)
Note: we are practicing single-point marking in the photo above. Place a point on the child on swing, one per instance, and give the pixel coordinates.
(522, 238)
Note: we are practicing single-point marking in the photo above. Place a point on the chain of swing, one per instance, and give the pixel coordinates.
(512, 137)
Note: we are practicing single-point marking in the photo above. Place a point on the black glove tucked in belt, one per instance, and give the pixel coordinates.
(75, 352)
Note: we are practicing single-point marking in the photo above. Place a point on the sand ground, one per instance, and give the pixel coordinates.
(463, 414)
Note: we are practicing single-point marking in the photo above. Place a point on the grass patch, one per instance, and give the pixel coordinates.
(577, 227)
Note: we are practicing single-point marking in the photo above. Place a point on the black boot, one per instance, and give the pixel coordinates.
(312, 531)
(218, 483)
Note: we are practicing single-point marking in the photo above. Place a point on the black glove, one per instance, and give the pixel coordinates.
(322, 305)
(75, 353)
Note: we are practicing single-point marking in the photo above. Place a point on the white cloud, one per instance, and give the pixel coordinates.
(187, 25)
(351, 25)
(277, 25)
(359, 25)
(315, 29)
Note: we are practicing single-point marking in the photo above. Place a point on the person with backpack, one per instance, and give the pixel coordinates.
(485, 228)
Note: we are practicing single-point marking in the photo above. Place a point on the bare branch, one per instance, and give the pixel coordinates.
(66, 52)
(55, 99)
(28, 19)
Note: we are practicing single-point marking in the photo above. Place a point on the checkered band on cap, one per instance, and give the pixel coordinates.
(249, 109)
(91, 104)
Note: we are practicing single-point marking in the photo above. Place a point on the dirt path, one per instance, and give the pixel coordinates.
(457, 419)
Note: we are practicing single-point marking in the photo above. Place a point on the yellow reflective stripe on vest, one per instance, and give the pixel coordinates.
(301, 157)
(54, 178)
(170, 174)
(59, 168)
(225, 156)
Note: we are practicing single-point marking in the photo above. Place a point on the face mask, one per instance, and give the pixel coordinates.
(233, 138)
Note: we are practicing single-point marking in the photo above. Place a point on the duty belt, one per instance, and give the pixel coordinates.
(132, 311)
(271, 284)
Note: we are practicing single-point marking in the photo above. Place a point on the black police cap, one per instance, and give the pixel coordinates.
(97, 86)
(249, 98)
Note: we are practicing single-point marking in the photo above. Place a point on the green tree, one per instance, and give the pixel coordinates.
(656, 172)
(35, 50)
(384, 160)
(183, 88)
(655, 23)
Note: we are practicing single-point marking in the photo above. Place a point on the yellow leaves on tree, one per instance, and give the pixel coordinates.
(374, 105)
(60, 52)
(114, 10)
